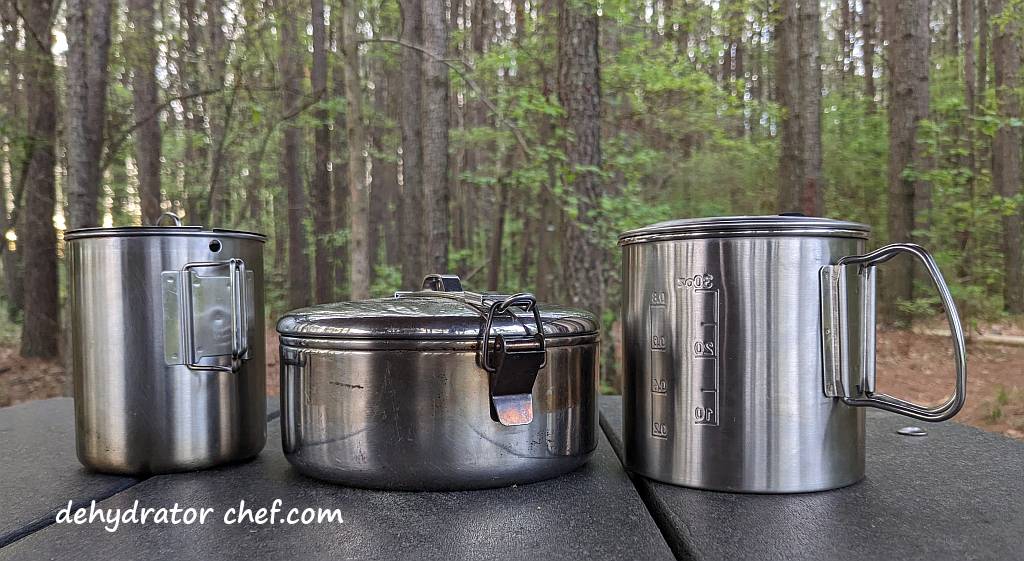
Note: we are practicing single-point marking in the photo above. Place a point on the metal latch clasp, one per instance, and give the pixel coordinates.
(513, 364)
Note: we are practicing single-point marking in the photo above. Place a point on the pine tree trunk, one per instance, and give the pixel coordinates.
(967, 10)
(384, 189)
(983, 47)
(88, 34)
(494, 253)
(967, 38)
(787, 95)
(359, 196)
(1006, 148)
(414, 263)
(868, 57)
(847, 37)
(435, 134)
(195, 150)
(145, 101)
(291, 161)
(320, 186)
(809, 108)
(41, 329)
(549, 274)
(218, 112)
(907, 30)
(14, 114)
(339, 173)
(579, 92)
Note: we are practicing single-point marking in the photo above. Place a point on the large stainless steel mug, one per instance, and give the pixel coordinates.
(748, 352)
(438, 389)
(167, 339)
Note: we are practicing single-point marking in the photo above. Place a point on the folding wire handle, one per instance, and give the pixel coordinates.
(239, 317)
(848, 341)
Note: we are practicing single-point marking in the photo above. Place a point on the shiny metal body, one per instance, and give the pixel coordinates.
(393, 393)
(723, 355)
(144, 303)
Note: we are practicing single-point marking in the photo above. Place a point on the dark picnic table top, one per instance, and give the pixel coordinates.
(955, 494)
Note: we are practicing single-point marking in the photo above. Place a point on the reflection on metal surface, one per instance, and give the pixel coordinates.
(422, 420)
(138, 407)
(726, 334)
(912, 431)
(474, 397)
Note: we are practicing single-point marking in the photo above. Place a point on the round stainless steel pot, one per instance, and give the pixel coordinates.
(749, 350)
(167, 344)
(439, 389)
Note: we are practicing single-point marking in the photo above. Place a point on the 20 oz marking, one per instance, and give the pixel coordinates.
(704, 348)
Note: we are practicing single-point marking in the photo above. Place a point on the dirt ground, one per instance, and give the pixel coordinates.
(919, 368)
(911, 366)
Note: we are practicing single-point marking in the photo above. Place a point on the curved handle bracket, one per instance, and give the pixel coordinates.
(848, 334)
(195, 310)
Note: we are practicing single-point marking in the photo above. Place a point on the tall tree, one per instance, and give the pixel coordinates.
(809, 110)
(967, 38)
(1006, 147)
(798, 83)
(906, 25)
(579, 92)
(435, 133)
(218, 113)
(14, 115)
(88, 34)
(867, 23)
(290, 64)
(145, 102)
(320, 186)
(339, 169)
(414, 264)
(384, 224)
(41, 330)
(359, 195)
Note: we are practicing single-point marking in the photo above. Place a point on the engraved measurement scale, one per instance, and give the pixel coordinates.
(699, 336)
(659, 381)
(704, 348)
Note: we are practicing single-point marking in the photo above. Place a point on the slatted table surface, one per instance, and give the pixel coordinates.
(594, 512)
(955, 494)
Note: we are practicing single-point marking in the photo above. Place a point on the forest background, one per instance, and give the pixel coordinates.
(510, 141)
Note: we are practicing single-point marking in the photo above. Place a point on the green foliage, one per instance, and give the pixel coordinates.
(388, 279)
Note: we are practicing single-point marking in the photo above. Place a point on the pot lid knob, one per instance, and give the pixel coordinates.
(443, 283)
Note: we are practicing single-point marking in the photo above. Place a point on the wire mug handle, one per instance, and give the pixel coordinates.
(175, 220)
(239, 298)
(848, 333)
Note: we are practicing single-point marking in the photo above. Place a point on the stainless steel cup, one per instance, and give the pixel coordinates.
(167, 337)
(749, 351)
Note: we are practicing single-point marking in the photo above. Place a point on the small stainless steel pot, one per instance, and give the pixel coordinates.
(438, 389)
(748, 351)
(167, 338)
